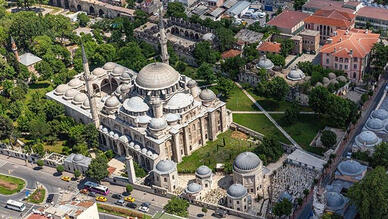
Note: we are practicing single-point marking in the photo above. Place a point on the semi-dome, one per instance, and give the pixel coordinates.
(296, 74)
(350, 168)
(236, 191)
(61, 89)
(335, 201)
(193, 188)
(112, 102)
(118, 71)
(207, 95)
(86, 104)
(70, 94)
(124, 88)
(109, 66)
(332, 75)
(203, 171)
(75, 83)
(156, 76)
(265, 63)
(192, 83)
(157, 124)
(367, 138)
(374, 124)
(179, 101)
(78, 157)
(172, 117)
(246, 161)
(98, 72)
(79, 98)
(165, 166)
(125, 76)
(143, 119)
(135, 104)
(380, 114)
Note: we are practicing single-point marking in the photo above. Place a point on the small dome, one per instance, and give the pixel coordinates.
(157, 124)
(149, 153)
(236, 191)
(79, 98)
(333, 81)
(203, 171)
(135, 104)
(125, 88)
(132, 144)
(86, 104)
(165, 166)
(170, 117)
(193, 188)
(144, 150)
(78, 157)
(295, 74)
(109, 66)
(374, 124)
(124, 139)
(61, 89)
(137, 147)
(208, 36)
(156, 76)
(125, 76)
(118, 90)
(118, 71)
(105, 130)
(207, 95)
(143, 119)
(350, 168)
(192, 83)
(318, 84)
(335, 201)
(75, 83)
(70, 94)
(179, 101)
(116, 136)
(265, 63)
(325, 80)
(380, 114)
(98, 72)
(332, 76)
(246, 161)
(367, 138)
(342, 78)
(112, 102)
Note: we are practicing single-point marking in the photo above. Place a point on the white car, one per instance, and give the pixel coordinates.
(144, 209)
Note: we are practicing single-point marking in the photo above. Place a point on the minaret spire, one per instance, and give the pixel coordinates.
(92, 100)
(15, 49)
(163, 37)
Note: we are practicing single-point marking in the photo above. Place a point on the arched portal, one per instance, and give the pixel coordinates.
(105, 86)
(67, 5)
(101, 13)
(91, 10)
(122, 150)
(79, 8)
(72, 8)
(114, 84)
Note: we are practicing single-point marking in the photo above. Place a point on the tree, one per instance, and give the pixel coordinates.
(77, 174)
(205, 72)
(204, 210)
(232, 66)
(250, 52)
(225, 38)
(318, 99)
(6, 127)
(328, 138)
(283, 207)
(83, 19)
(380, 156)
(60, 168)
(370, 195)
(204, 53)
(131, 56)
(277, 88)
(177, 206)
(40, 163)
(277, 59)
(291, 114)
(176, 9)
(379, 58)
(270, 150)
(129, 188)
(53, 110)
(298, 4)
(91, 135)
(38, 149)
(286, 47)
(97, 169)
(225, 86)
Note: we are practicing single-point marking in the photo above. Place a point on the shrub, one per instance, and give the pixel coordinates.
(204, 210)
(129, 188)
(77, 173)
(40, 163)
(328, 138)
(60, 168)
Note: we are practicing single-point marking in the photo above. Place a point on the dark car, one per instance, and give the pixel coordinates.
(50, 198)
(92, 194)
(220, 213)
(117, 196)
(131, 205)
(146, 204)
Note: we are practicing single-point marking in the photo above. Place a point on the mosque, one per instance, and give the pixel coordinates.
(155, 114)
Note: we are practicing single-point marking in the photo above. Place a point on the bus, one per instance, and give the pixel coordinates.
(15, 205)
(94, 187)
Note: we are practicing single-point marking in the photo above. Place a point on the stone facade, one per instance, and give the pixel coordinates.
(166, 175)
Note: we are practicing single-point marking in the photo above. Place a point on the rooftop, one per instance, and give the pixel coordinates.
(308, 32)
(248, 36)
(28, 59)
(270, 47)
(230, 53)
(325, 4)
(373, 12)
(331, 18)
(306, 158)
(229, 3)
(288, 19)
(353, 43)
(237, 8)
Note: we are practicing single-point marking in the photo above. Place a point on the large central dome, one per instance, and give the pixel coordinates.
(156, 76)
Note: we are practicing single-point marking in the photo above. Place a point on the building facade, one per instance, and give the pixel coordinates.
(310, 40)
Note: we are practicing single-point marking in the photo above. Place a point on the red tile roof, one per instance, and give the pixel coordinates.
(325, 4)
(372, 12)
(331, 18)
(288, 19)
(230, 53)
(358, 41)
(270, 47)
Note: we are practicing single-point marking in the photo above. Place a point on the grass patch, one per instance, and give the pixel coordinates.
(209, 155)
(38, 196)
(122, 212)
(56, 147)
(261, 124)
(10, 185)
(238, 101)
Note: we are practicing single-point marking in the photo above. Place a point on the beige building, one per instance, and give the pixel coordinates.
(310, 40)
(166, 175)
(85, 209)
(238, 198)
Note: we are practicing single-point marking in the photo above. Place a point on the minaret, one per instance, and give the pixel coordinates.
(89, 87)
(15, 49)
(163, 37)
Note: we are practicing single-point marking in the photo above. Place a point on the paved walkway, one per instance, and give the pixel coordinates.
(269, 117)
(270, 112)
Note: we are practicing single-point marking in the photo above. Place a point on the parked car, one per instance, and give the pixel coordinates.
(117, 196)
(120, 202)
(129, 199)
(146, 204)
(220, 213)
(92, 194)
(66, 178)
(84, 191)
(101, 199)
(144, 209)
(50, 199)
(131, 205)
(349, 155)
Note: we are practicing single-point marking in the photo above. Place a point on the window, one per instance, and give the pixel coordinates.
(340, 67)
(346, 66)
(327, 61)
(355, 66)
(336, 59)
(173, 177)
(335, 66)
(354, 75)
(355, 59)
(238, 202)
(346, 60)
(165, 179)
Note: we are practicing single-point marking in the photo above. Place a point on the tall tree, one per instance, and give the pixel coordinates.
(283, 207)
(205, 72)
(380, 156)
(328, 138)
(204, 53)
(6, 127)
(318, 99)
(97, 169)
(278, 88)
(225, 38)
(177, 206)
(176, 9)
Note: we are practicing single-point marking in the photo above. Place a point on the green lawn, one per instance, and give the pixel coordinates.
(38, 196)
(238, 101)
(56, 147)
(120, 211)
(10, 185)
(209, 154)
(261, 124)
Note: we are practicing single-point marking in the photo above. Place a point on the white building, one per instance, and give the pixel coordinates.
(77, 162)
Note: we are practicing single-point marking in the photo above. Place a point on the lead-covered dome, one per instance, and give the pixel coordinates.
(135, 104)
(380, 114)
(350, 168)
(157, 124)
(236, 191)
(295, 74)
(78, 157)
(118, 71)
(374, 124)
(79, 98)
(193, 188)
(75, 83)
(203, 171)
(335, 201)
(109, 66)
(179, 101)
(61, 89)
(265, 63)
(367, 138)
(112, 101)
(246, 161)
(70, 94)
(207, 95)
(156, 76)
(165, 166)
